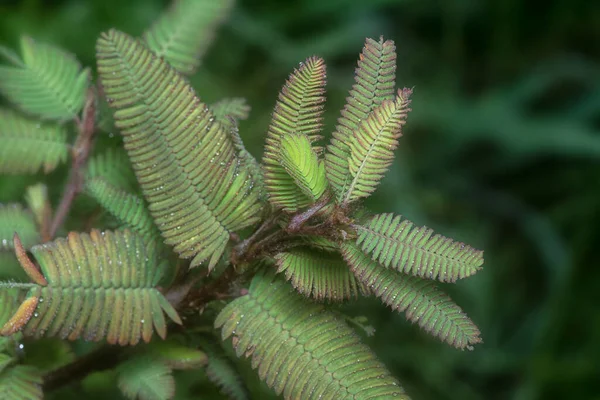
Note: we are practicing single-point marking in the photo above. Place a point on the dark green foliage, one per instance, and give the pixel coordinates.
(396, 243)
(322, 276)
(186, 164)
(14, 218)
(20, 382)
(114, 167)
(419, 299)
(300, 349)
(182, 35)
(145, 378)
(222, 372)
(46, 82)
(28, 145)
(95, 286)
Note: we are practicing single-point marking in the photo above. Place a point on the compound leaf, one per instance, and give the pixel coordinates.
(396, 243)
(145, 378)
(420, 300)
(299, 348)
(114, 166)
(236, 108)
(47, 82)
(128, 208)
(184, 160)
(183, 33)
(298, 110)
(96, 285)
(27, 145)
(20, 382)
(319, 275)
(222, 372)
(374, 82)
(373, 144)
(301, 163)
(14, 218)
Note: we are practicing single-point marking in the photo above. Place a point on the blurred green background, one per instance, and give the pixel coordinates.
(502, 151)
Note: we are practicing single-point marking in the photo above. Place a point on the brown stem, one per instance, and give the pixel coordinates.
(80, 153)
(299, 219)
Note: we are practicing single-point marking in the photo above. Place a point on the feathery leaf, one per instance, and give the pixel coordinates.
(27, 145)
(184, 159)
(300, 349)
(113, 166)
(14, 218)
(420, 300)
(373, 144)
(396, 243)
(97, 285)
(374, 82)
(182, 35)
(47, 83)
(145, 378)
(236, 108)
(222, 372)
(20, 382)
(322, 276)
(298, 110)
(301, 163)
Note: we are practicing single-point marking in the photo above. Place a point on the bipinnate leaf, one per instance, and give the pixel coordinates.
(299, 348)
(47, 83)
(98, 285)
(145, 378)
(299, 110)
(396, 243)
(20, 382)
(128, 208)
(114, 167)
(184, 160)
(221, 371)
(419, 299)
(302, 164)
(27, 145)
(372, 146)
(374, 83)
(14, 218)
(182, 34)
(322, 276)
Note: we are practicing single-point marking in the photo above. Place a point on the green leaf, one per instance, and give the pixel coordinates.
(184, 160)
(128, 208)
(301, 163)
(93, 286)
(47, 83)
(236, 108)
(419, 299)
(177, 356)
(39, 204)
(27, 145)
(299, 348)
(113, 166)
(182, 35)
(396, 243)
(145, 378)
(14, 218)
(298, 110)
(374, 82)
(322, 276)
(373, 144)
(222, 372)
(20, 382)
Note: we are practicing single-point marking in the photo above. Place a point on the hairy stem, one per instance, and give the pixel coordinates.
(80, 153)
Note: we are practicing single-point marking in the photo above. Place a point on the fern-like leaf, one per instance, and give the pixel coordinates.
(419, 299)
(93, 286)
(184, 159)
(113, 166)
(321, 276)
(47, 83)
(374, 83)
(27, 145)
(301, 163)
(20, 382)
(373, 144)
(145, 378)
(182, 34)
(14, 218)
(300, 349)
(396, 243)
(222, 372)
(128, 208)
(298, 110)
(236, 108)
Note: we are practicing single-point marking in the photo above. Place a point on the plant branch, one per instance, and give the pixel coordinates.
(80, 153)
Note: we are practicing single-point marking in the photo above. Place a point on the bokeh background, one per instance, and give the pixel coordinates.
(501, 150)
